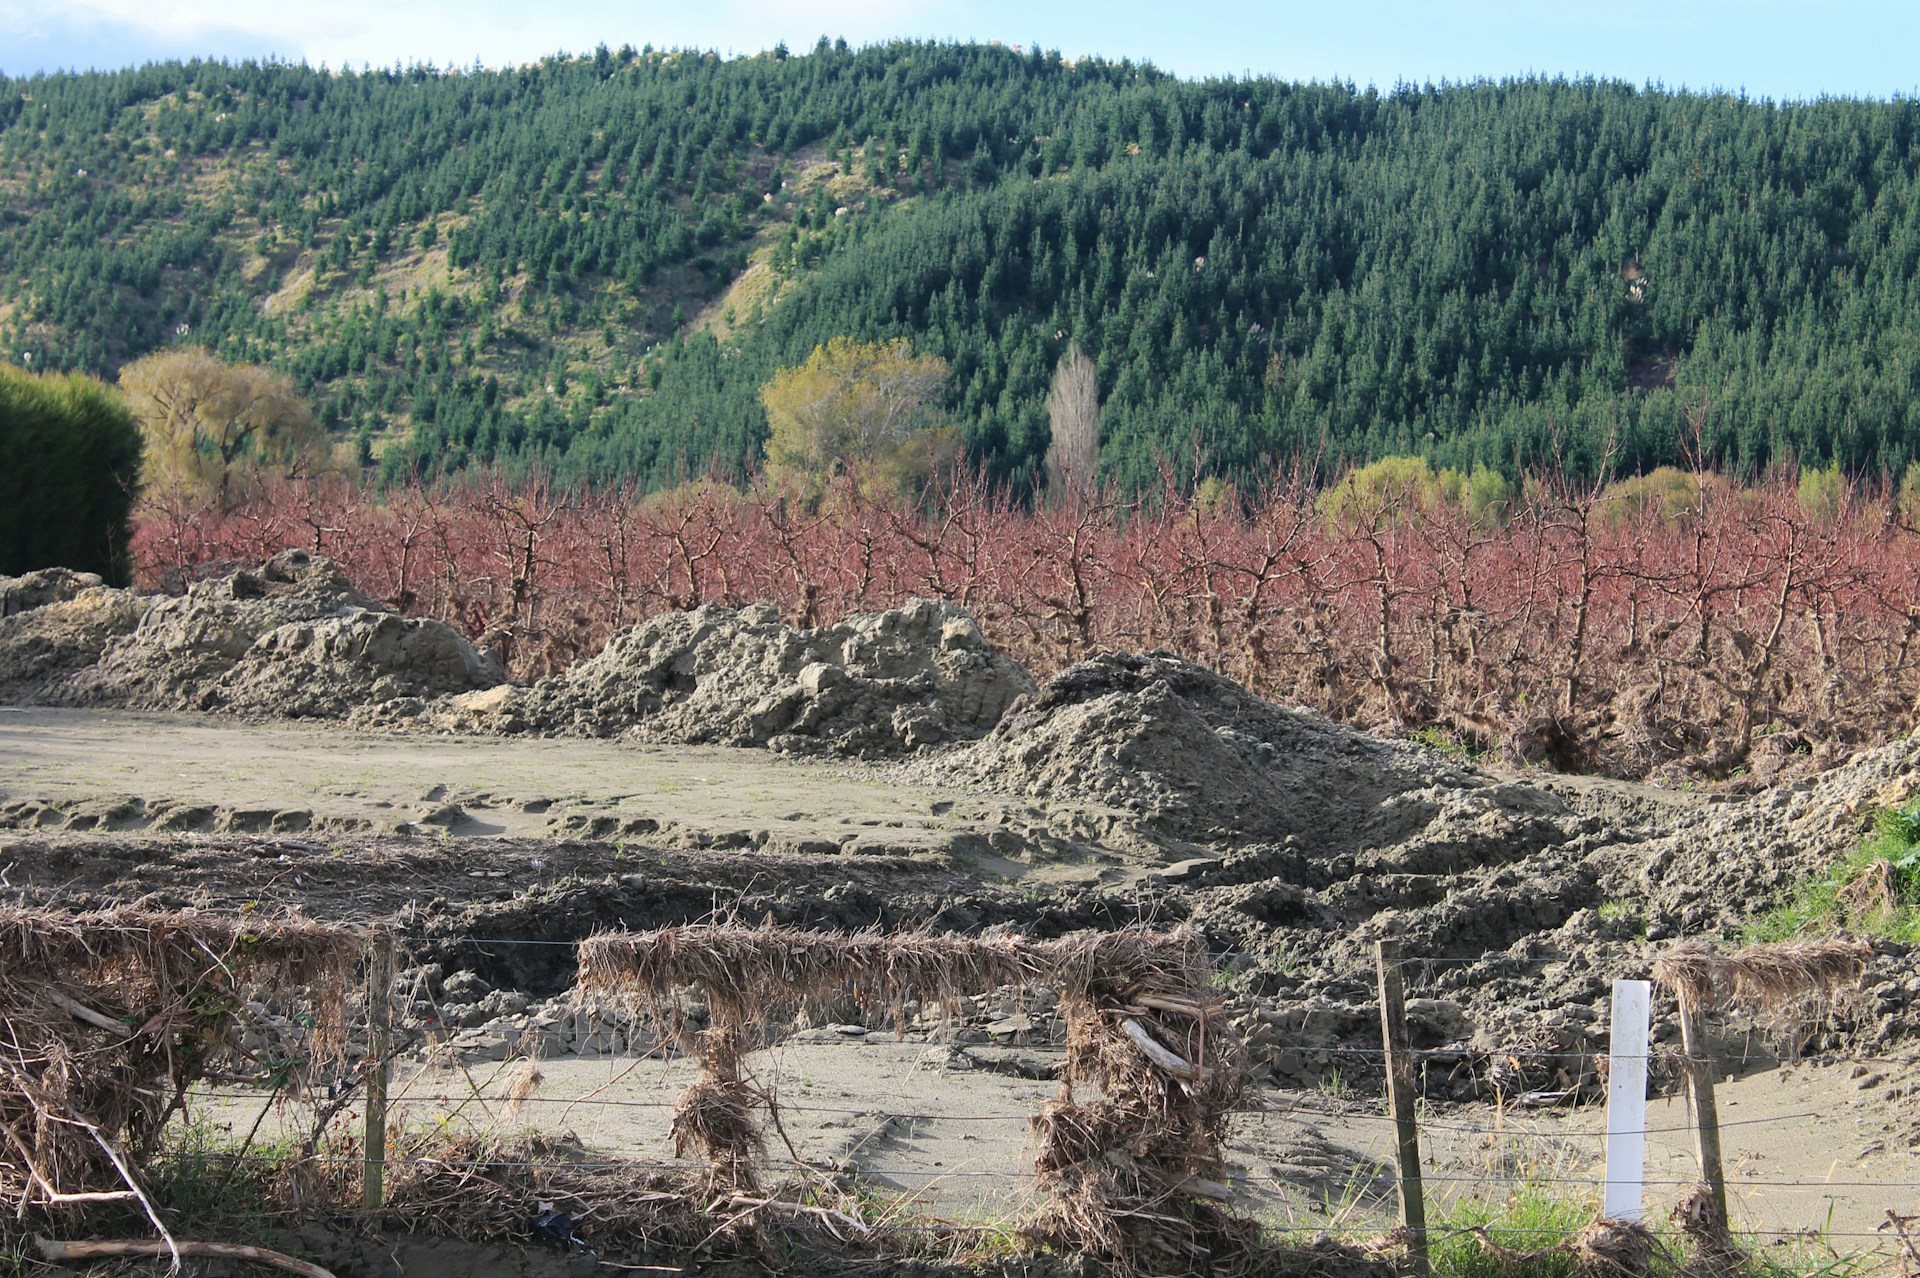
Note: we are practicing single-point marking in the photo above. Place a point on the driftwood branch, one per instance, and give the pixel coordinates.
(1169, 1061)
(81, 1012)
(772, 1204)
(1177, 1008)
(119, 1162)
(53, 1250)
(1201, 1187)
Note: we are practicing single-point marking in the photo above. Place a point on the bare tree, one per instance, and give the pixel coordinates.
(1073, 412)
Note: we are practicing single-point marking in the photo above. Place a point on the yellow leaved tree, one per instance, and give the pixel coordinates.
(213, 429)
(865, 408)
(1385, 492)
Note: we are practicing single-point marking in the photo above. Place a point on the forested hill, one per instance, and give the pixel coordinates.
(594, 263)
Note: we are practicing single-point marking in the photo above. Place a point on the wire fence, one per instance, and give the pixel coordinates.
(1366, 1172)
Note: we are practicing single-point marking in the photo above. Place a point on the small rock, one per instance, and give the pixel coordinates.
(1187, 870)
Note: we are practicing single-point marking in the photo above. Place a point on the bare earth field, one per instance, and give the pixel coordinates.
(196, 774)
(274, 742)
(289, 814)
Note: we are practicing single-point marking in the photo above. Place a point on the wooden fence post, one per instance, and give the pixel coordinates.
(1399, 1056)
(373, 1185)
(1706, 1116)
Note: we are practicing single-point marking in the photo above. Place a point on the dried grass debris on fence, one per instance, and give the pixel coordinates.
(1776, 978)
(1131, 1152)
(1702, 1222)
(749, 975)
(485, 1187)
(1133, 1171)
(718, 1116)
(107, 1018)
(1601, 1249)
(1614, 1249)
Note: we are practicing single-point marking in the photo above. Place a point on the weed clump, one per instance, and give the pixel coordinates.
(1873, 890)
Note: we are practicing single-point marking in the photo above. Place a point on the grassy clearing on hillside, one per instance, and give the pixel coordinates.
(1873, 890)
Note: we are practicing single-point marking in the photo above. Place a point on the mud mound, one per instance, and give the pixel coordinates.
(873, 685)
(55, 622)
(48, 585)
(290, 639)
(1191, 755)
(294, 639)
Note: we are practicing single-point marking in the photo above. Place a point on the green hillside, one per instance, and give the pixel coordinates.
(594, 263)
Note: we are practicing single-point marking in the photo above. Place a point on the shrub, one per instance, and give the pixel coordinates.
(1664, 494)
(1823, 493)
(1381, 493)
(861, 408)
(213, 430)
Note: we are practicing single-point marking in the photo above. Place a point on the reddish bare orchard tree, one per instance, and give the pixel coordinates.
(1716, 630)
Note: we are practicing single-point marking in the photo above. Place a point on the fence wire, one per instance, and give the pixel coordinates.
(1373, 1172)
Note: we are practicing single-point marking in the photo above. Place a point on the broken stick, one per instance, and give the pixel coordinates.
(1166, 1059)
(100, 1249)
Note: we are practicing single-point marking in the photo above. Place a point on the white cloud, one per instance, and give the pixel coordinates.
(108, 33)
(382, 30)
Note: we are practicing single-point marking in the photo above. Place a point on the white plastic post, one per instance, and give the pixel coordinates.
(1627, 1101)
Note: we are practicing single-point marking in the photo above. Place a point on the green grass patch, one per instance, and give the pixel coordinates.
(1531, 1220)
(1532, 1223)
(205, 1177)
(1874, 890)
(1454, 747)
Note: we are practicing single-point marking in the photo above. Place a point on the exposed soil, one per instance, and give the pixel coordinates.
(293, 639)
(893, 772)
(878, 684)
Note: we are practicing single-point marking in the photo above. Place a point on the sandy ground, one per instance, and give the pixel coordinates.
(292, 777)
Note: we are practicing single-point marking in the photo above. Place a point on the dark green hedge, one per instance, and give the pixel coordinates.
(69, 470)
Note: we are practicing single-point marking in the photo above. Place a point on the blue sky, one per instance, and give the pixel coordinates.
(1770, 48)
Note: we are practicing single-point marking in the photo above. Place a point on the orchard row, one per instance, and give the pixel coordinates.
(1716, 632)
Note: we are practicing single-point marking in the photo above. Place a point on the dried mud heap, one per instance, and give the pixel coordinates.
(878, 684)
(1187, 755)
(291, 639)
(294, 639)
